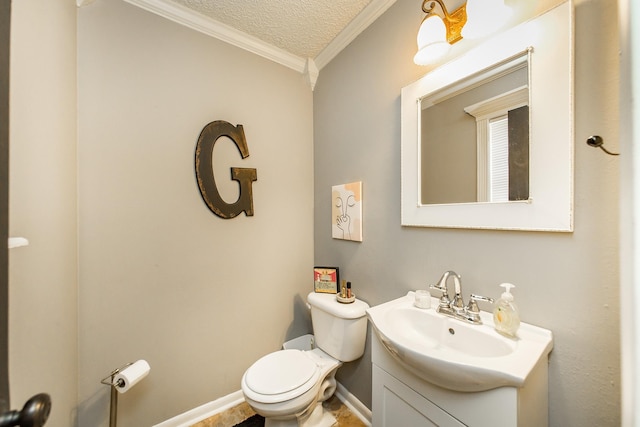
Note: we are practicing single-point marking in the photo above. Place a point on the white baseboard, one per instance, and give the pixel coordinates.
(229, 401)
(205, 411)
(353, 403)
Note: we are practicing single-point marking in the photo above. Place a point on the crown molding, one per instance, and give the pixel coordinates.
(311, 73)
(196, 21)
(351, 31)
(307, 66)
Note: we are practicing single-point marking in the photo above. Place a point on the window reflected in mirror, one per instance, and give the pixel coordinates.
(475, 139)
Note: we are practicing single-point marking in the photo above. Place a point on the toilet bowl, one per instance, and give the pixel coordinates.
(288, 386)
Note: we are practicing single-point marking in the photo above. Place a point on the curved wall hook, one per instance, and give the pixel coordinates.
(597, 141)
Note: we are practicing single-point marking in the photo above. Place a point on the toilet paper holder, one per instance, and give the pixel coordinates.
(120, 380)
(111, 378)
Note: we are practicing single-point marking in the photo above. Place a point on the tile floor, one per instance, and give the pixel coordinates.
(239, 413)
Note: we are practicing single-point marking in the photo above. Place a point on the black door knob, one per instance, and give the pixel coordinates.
(34, 413)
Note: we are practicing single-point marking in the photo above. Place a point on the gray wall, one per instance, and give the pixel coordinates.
(43, 296)
(566, 282)
(125, 260)
(160, 276)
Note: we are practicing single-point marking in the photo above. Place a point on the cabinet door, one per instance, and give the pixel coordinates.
(395, 404)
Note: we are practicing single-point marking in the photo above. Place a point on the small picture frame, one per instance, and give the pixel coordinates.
(326, 279)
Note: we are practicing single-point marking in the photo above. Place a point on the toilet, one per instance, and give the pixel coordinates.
(287, 387)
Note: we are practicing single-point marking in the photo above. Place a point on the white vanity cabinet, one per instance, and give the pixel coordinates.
(401, 398)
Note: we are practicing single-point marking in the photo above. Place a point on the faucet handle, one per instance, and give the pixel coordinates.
(442, 284)
(444, 298)
(439, 288)
(472, 307)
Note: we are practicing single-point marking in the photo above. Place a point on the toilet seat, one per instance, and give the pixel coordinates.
(280, 376)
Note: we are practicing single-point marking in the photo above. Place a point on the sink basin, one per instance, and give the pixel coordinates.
(454, 354)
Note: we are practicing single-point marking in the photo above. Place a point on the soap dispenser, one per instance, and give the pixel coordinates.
(505, 315)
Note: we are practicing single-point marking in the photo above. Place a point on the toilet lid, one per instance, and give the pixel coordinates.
(280, 372)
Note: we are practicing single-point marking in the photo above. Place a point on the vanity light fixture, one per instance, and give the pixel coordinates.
(474, 19)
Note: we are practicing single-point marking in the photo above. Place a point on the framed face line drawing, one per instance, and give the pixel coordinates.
(346, 211)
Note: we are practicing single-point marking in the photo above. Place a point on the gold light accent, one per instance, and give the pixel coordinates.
(453, 22)
(437, 34)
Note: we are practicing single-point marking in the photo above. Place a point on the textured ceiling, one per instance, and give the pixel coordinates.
(301, 27)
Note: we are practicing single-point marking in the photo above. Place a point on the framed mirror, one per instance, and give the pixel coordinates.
(487, 139)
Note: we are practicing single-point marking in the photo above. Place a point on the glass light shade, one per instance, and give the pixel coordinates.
(432, 41)
(484, 17)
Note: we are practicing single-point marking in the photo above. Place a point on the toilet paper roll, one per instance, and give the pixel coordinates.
(131, 375)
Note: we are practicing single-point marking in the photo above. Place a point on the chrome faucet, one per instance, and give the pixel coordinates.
(455, 307)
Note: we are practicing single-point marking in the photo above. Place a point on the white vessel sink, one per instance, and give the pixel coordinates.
(453, 354)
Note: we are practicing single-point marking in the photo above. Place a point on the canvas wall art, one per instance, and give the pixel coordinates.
(346, 211)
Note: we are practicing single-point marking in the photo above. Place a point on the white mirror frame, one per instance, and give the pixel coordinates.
(550, 207)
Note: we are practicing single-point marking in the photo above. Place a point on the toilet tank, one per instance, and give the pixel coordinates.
(340, 330)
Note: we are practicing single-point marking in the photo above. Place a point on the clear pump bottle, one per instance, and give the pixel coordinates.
(506, 317)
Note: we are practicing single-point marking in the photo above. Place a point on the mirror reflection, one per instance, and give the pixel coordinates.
(540, 49)
(475, 138)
